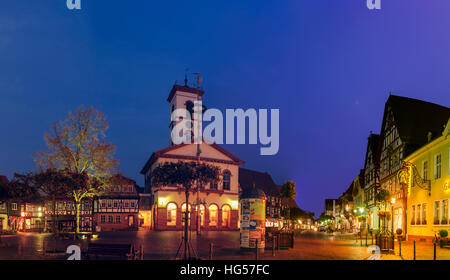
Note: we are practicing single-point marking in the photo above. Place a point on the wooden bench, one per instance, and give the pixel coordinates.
(123, 251)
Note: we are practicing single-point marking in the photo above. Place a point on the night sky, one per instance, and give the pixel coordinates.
(327, 65)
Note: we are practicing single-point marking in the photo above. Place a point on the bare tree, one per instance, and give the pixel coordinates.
(77, 145)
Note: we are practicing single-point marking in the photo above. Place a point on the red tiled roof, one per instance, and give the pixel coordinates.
(262, 181)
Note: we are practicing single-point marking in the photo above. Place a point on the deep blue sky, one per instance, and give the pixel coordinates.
(327, 65)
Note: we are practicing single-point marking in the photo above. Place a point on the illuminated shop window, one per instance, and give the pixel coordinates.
(171, 214)
(183, 211)
(202, 214)
(226, 213)
(213, 215)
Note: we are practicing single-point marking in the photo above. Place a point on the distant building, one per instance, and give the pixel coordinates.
(65, 215)
(359, 207)
(3, 204)
(118, 207)
(32, 217)
(249, 178)
(330, 207)
(371, 182)
(145, 210)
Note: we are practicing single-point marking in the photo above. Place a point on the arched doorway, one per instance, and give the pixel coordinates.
(183, 211)
(202, 214)
(213, 215)
(226, 214)
(171, 214)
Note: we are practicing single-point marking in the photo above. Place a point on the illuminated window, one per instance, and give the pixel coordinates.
(183, 211)
(425, 170)
(424, 214)
(226, 213)
(226, 180)
(437, 167)
(202, 215)
(413, 215)
(437, 210)
(418, 214)
(213, 215)
(171, 214)
(444, 212)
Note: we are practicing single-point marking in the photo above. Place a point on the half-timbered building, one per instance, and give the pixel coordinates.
(118, 207)
(407, 125)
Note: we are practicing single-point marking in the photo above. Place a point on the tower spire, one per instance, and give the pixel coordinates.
(185, 77)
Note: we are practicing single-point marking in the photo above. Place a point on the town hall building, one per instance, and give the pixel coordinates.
(216, 206)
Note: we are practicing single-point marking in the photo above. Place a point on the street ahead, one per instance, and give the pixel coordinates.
(163, 245)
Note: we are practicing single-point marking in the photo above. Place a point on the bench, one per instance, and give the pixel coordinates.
(123, 251)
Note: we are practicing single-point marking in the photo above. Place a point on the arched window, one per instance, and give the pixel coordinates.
(171, 214)
(183, 210)
(213, 213)
(226, 180)
(202, 214)
(226, 214)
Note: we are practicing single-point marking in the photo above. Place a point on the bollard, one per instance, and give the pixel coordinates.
(141, 252)
(400, 246)
(434, 255)
(372, 238)
(414, 249)
(256, 255)
(211, 247)
(366, 239)
(360, 238)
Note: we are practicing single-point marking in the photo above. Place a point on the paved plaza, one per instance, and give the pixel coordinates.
(164, 245)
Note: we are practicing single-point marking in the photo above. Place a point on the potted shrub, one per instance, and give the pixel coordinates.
(443, 241)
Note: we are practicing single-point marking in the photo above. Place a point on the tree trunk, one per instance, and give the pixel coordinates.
(77, 207)
(198, 211)
(186, 225)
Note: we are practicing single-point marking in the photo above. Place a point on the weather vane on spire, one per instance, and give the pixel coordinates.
(199, 79)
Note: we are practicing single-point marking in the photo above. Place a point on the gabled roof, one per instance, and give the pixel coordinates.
(414, 120)
(121, 179)
(163, 153)
(262, 181)
(372, 145)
